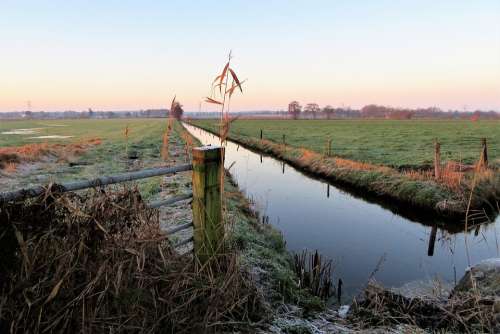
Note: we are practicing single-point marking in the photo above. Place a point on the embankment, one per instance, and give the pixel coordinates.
(387, 184)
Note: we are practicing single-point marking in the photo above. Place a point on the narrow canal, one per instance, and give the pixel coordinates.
(356, 234)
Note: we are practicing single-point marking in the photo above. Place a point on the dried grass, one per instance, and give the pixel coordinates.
(100, 263)
(464, 312)
(38, 151)
(452, 175)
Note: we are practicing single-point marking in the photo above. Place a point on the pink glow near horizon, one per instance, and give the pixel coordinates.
(115, 56)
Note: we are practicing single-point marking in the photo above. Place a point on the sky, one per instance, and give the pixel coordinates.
(129, 55)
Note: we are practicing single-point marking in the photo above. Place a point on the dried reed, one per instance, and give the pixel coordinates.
(34, 152)
(99, 262)
(314, 273)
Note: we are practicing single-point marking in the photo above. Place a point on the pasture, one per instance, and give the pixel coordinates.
(394, 143)
(73, 158)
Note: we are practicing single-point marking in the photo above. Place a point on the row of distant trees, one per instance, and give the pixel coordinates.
(177, 112)
(314, 111)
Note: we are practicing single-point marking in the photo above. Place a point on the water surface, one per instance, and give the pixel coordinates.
(353, 232)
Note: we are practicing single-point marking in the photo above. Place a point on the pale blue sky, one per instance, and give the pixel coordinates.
(138, 54)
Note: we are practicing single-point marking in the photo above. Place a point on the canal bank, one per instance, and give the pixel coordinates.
(358, 235)
(384, 185)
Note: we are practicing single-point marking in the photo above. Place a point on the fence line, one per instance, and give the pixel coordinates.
(178, 228)
(183, 242)
(207, 207)
(171, 200)
(100, 181)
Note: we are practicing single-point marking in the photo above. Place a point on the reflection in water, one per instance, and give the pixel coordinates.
(351, 231)
(432, 241)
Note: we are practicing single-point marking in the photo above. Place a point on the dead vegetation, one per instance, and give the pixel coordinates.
(12, 156)
(98, 262)
(314, 273)
(467, 312)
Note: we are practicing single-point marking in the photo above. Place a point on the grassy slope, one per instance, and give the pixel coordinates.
(392, 185)
(385, 142)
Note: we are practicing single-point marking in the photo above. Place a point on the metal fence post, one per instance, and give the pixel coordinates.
(207, 204)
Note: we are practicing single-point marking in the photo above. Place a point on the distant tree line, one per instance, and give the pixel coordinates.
(313, 111)
(89, 114)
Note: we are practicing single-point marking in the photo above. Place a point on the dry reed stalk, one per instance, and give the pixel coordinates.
(10, 167)
(166, 135)
(126, 134)
(226, 84)
(451, 175)
(188, 145)
(314, 273)
(464, 312)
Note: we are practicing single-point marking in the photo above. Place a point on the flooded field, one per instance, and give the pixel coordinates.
(362, 238)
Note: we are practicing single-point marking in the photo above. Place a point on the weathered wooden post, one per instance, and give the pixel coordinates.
(207, 204)
(284, 142)
(432, 241)
(484, 153)
(260, 134)
(437, 160)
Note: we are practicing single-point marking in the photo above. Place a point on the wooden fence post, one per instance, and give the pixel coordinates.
(284, 143)
(260, 134)
(437, 160)
(207, 204)
(484, 153)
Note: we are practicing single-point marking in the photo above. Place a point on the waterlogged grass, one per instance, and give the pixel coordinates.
(385, 142)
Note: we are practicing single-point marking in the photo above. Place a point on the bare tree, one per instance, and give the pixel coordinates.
(294, 109)
(177, 110)
(328, 111)
(312, 109)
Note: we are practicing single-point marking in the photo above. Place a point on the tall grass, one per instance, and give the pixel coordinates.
(223, 87)
(166, 134)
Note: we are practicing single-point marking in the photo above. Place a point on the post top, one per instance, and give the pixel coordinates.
(208, 153)
(207, 148)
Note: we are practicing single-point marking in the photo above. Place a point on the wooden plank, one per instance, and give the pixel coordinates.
(178, 228)
(171, 200)
(98, 182)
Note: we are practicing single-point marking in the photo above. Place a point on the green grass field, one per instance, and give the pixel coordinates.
(385, 142)
(145, 138)
(109, 130)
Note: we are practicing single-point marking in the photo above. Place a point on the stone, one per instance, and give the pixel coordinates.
(486, 277)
